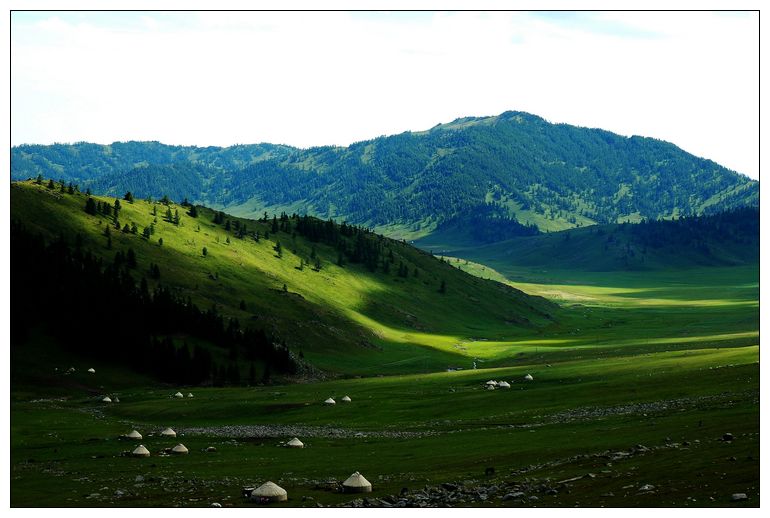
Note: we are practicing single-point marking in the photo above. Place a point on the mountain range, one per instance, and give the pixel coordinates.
(508, 174)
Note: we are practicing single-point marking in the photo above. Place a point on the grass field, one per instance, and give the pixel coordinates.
(665, 359)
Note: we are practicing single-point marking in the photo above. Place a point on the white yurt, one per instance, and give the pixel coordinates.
(91, 370)
(528, 377)
(491, 387)
(356, 483)
(106, 399)
(140, 451)
(180, 449)
(330, 401)
(491, 383)
(178, 394)
(269, 492)
(189, 394)
(133, 434)
(295, 443)
(346, 399)
(116, 400)
(504, 384)
(168, 432)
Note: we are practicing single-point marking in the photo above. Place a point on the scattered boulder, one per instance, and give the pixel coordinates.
(647, 487)
(728, 437)
(211, 449)
(737, 497)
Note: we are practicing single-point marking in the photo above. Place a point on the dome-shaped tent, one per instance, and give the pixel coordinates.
(168, 432)
(330, 401)
(346, 399)
(189, 394)
(106, 399)
(295, 443)
(91, 370)
(140, 451)
(269, 492)
(356, 483)
(133, 434)
(528, 377)
(180, 449)
(491, 383)
(178, 395)
(504, 384)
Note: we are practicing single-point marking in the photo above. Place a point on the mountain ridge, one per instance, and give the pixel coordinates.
(553, 176)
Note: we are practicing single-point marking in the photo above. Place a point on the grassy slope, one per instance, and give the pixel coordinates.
(598, 248)
(343, 319)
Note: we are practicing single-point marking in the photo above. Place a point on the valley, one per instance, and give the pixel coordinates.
(644, 391)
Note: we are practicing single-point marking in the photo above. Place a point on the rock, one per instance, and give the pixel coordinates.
(211, 449)
(551, 492)
(139, 478)
(728, 437)
(533, 498)
(119, 493)
(647, 487)
(736, 497)
(216, 504)
(449, 486)
(608, 495)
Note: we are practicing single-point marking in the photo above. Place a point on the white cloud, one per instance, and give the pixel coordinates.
(333, 78)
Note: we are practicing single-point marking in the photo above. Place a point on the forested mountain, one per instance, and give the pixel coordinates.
(553, 176)
(726, 239)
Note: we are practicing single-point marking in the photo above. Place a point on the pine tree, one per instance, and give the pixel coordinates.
(278, 249)
(39, 180)
(90, 206)
(129, 197)
(193, 213)
(131, 258)
(51, 184)
(160, 241)
(176, 217)
(205, 251)
(442, 288)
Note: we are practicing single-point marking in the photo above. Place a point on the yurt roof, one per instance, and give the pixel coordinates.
(140, 450)
(357, 480)
(178, 394)
(133, 434)
(269, 489)
(168, 431)
(491, 382)
(91, 370)
(295, 442)
(180, 448)
(504, 384)
(330, 401)
(189, 394)
(346, 399)
(528, 377)
(106, 399)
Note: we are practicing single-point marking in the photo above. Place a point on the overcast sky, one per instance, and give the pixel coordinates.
(308, 79)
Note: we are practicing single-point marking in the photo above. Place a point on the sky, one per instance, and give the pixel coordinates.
(307, 79)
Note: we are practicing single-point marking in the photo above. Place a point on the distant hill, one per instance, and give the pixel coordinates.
(552, 176)
(123, 284)
(725, 239)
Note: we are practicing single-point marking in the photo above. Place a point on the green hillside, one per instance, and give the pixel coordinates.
(552, 176)
(725, 239)
(383, 314)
